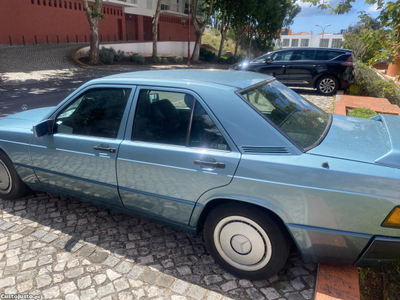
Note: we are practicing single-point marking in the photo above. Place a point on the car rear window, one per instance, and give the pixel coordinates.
(303, 55)
(332, 54)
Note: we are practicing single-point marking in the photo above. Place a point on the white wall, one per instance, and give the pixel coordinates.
(314, 40)
(146, 48)
(143, 5)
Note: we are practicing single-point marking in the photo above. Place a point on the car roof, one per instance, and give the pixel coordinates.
(314, 48)
(237, 79)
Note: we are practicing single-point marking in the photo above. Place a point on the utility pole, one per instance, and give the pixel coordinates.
(189, 35)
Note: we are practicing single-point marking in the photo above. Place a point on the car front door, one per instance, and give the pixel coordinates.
(276, 65)
(78, 159)
(302, 68)
(173, 152)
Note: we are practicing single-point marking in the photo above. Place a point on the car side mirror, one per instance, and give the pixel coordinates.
(43, 128)
(268, 60)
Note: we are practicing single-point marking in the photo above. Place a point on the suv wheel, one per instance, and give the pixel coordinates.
(327, 85)
(245, 242)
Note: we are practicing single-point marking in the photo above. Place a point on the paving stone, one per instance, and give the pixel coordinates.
(88, 294)
(64, 257)
(123, 267)
(73, 273)
(121, 284)
(84, 282)
(196, 292)
(98, 257)
(86, 251)
(298, 271)
(71, 297)
(245, 283)
(49, 238)
(68, 287)
(230, 285)
(270, 293)
(125, 296)
(308, 294)
(165, 280)
(184, 271)
(105, 290)
(111, 261)
(180, 287)
(310, 280)
(25, 286)
(254, 294)
(9, 281)
(43, 280)
(212, 279)
(112, 275)
(149, 276)
(100, 278)
(51, 293)
(294, 296)
(297, 284)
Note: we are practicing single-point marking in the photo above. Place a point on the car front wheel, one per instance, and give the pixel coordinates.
(327, 85)
(11, 185)
(246, 242)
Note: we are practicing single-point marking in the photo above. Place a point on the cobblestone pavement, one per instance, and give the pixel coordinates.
(58, 248)
(324, 102)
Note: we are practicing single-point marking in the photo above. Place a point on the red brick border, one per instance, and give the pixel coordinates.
(380, 105)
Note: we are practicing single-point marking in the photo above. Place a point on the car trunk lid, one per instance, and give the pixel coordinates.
(375, 140)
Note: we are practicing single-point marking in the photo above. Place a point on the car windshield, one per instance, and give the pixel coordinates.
(300, 120)
(262, 58)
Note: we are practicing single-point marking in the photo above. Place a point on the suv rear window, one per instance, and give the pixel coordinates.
(303, 55)
(332, 54)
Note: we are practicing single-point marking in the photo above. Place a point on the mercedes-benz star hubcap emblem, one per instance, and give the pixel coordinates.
(241, 244)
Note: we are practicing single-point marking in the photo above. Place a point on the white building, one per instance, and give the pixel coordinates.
(308, 40)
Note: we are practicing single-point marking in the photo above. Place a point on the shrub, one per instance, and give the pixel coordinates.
(120, 55)
(207, 55)
(227, 59)
(371, 84)
(137, 58)
(176, 59)
(354, 89)
(165, 60)
(107, 55)
(361, 112)
(156, 59)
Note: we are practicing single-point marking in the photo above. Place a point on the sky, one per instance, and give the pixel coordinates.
(310, 16)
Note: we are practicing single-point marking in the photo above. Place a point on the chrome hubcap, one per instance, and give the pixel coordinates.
(327, 85)
(5, 179)
(242, 243)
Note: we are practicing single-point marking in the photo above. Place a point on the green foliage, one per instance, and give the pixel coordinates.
(371, 84)
(206, 55)
(215, 31)
(354, 89)
(361, 112)
(227, 59)
(165, 60)
(156, 59)
(137, 58)
(107, 55)
(119, 56)
(176, 59)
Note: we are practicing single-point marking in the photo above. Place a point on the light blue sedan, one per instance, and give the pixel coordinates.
(235, 155)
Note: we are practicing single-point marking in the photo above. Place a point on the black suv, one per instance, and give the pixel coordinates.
(326, 69)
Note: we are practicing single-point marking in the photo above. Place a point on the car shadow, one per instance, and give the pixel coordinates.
(96, 234)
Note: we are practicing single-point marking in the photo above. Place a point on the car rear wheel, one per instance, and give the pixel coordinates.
(246, 242)
(11, 185)
(327, 85)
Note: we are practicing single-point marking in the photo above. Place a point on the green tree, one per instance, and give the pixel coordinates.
(201, 14)
(225, 8)
(94, 15)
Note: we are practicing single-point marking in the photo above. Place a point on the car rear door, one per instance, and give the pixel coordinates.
(302, 68)
(79, 158)
(277, 65)
(174, 150)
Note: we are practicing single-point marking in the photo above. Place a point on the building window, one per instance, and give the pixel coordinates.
(324, 43)
(295, 42)
(114, 12)
(32, 1)
(337, 43)
(50, 2)
(70, 5)
(60, 4)
(44, 2)
(285, 43)
(65, 4)
(304, 42)
(80, 7)
(55, 3)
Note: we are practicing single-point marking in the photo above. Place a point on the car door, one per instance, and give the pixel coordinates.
(276, 65)
(174, 150)
(78, 159)
(302, 68)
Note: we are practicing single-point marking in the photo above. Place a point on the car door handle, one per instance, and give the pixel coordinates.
(107, 149)
(212, 164)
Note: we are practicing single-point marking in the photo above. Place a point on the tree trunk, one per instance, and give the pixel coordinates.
(239, 35)
(94, 58)
(155, 28)
(195, 55)
(93, 15)
(221, 44)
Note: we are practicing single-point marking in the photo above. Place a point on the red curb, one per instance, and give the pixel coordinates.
(380, 105)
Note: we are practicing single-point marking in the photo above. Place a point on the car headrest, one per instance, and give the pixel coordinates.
(163, 110)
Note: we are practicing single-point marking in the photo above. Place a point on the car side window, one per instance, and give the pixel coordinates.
(96, 112)
(319, 55)
(282, 56)
(165, 117)
(303, 55)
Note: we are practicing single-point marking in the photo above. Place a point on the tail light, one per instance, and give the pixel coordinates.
(348, 62)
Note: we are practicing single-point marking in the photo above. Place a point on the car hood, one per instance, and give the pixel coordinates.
(26, 119)
(375, 140)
